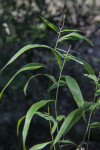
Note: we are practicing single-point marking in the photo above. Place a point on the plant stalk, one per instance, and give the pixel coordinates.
(49, 86)
(88, 130)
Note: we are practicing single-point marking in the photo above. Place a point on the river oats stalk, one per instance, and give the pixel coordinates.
(57, 131)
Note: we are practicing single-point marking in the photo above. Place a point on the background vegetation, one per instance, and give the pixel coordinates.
(24, 26)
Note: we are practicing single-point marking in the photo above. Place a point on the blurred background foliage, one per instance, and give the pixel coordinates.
(20, 24)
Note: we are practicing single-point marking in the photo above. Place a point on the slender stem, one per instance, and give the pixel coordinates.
(89, 133)
(58, 85)
(88, 130)
(49, 86)
(57, 39)
(58, 89)
(57, 96)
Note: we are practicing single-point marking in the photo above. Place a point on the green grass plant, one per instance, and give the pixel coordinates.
(62, 57)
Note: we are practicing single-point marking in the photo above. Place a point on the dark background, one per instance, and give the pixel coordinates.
(24, 26)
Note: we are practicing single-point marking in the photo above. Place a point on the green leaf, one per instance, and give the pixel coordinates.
(71, 57)
(40, 146)
(91, 105)
(75, 90)
(46, 116)
(54, 128)
(85, 64)
(69, 30)
(67, 142)
(97, 104)
(98, 101)
(30, 66)
(95, 124)
(74, 35)
(43, 115)
(70, 120)
(51, 78)
(58, 60)
(62, 83)
(26, 48)
(98, 85)
(87, 67)
(26, 85)
(18, 125)
(51, 25)
(97, 92)
(60, 117)
(33, 109)
(47, 75)
(80, 61)
(50, 118)
(93, 77)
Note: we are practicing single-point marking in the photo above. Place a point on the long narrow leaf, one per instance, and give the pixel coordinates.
(30, 66)
(87, 67)
(93, 77)
(34, 108)
(97, 92)
(67, 142)
(71, 57)
(95, 125)
(50, 118)
(75, 90)
(71, 119)
(26, 85)
(69, 30)
(51, 25)
(58, 60)
(59, 118)
(40, 146)
(26, 48)
(47, 75)
(62, 83)
(84, 63)
(74, 35)
(45, 116)
(19, 122)
(54, 127)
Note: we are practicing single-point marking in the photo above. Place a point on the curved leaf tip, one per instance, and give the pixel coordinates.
(50, 25)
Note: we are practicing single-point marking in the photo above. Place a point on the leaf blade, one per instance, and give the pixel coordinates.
(75, 36)
(82, 62)
(51, 25)
(67, 142)
(62, 83)
(45, 116)
(70, 120)
(47, 75)
(95, 125)
(40, 146)
(26, 48)
(30, 66)
(29, 116)
(58, 60)
(75, 90)
(18, 124)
